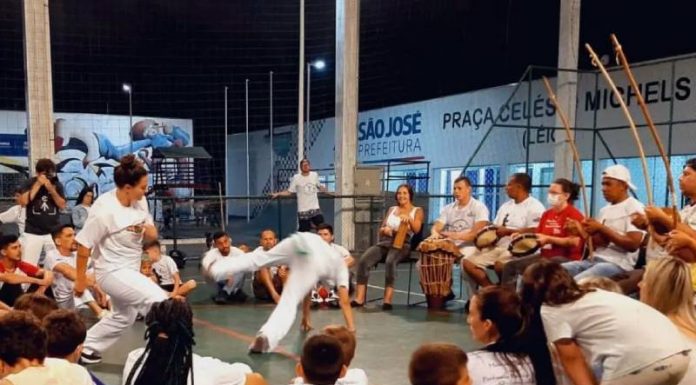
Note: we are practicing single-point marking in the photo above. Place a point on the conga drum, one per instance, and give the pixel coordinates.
(437, 258)
(400, 236)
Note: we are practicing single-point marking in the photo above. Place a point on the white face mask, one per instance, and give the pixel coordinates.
(554, 199)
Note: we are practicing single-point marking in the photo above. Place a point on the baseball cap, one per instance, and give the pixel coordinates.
(619, 172)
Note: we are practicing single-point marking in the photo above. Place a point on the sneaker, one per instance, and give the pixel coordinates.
(260, 345)
(220, 298)
(238, 296)
(90, 358)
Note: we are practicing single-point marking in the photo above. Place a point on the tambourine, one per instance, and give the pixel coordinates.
(524, 245)
(486, 237)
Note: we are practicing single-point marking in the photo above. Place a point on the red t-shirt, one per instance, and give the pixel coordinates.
(28, 269)
(553, 223)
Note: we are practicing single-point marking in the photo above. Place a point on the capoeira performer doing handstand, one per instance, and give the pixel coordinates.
(118, 223)
(311, 260)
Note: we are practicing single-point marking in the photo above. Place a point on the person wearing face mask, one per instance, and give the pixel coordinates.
(45, 198)
(557, 243)
(116, 228)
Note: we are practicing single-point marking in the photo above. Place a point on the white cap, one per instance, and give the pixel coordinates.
(619, 172)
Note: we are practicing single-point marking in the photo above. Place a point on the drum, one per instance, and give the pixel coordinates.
(486, 237)
(400, 236)
(437, 258)
(524, 245)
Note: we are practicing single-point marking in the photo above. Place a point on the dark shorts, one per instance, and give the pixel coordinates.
(306, 224)
(260, 290)
(168, 288)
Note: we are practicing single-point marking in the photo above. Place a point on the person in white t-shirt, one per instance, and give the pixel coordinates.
(602, 336)
(118, 224)
(18, 213)
(512, 354)
(460, 221)
(62, 262)
(229, 289)
(666, 286)
(23, 355)
(166, 271)
(325, 231)
(168, 357)
(305, 185)
(520, 214)
(310, 260)
(346, 338)
(65, 334)
(268, 282)
(615, 238)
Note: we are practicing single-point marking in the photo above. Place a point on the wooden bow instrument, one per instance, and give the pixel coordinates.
(621, 59)
(632, 125)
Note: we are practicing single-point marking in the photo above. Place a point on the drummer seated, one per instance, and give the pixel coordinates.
(460, 220)
(553, 236)
(520, 214)
(616, 240)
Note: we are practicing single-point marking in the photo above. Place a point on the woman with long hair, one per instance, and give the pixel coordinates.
(168, 357)
(666, 286)
(513, 353)
(82, 207)
(403, 212)
(602, 336)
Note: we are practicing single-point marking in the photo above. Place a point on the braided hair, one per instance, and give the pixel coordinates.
(168, 355)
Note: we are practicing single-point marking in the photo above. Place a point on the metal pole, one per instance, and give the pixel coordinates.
(246, 101)
(130, 116)
(227, 161)
(270, 91)
(309, 90)
(300, 108)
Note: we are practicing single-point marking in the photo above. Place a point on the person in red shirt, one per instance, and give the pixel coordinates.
(16, 275)
(557, 242)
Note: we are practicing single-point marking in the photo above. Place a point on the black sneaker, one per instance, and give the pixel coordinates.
(260, 345)
(90, 358)
(220, 298)
(238, 296)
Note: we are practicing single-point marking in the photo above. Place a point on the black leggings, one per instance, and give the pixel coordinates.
(374, 254)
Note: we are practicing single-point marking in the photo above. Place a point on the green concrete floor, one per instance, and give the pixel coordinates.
(385, 339)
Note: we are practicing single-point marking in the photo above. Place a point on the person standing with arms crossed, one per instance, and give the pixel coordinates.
(305, 185)
(118, 224)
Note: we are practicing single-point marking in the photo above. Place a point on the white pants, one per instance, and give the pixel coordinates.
(33, 245)
(131, 293)
(667, 371)
(75, 302)
(303, 276)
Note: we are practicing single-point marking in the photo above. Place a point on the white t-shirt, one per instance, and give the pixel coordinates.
(206, 370)
(54, 372)
(165, 269)
(352, 377)
(485, 369)
(15, 214)
(114, 233)
(616, 332)
(518, 216)
(306, 188)
(213, 255)
(618, 218)
(341, 250)
(62, 286)
(458, 218)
